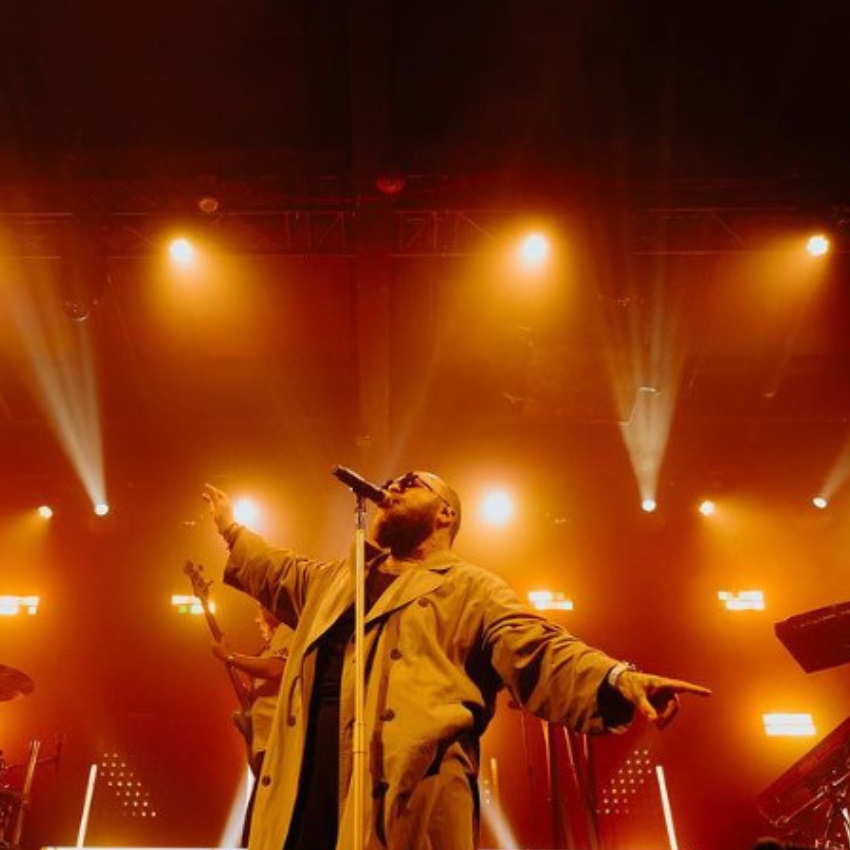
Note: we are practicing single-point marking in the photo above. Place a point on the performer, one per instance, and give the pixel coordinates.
(442, 638)
(265, 670)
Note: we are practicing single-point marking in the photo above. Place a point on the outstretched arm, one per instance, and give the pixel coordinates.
(558, 677)
(277, 577)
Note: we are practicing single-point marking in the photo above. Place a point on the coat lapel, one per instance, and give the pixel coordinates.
(413, 584)
(339, 595)
(333, 602)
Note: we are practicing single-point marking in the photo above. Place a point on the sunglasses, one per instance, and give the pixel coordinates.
(410, 480)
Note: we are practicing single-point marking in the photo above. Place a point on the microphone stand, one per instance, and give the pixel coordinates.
(359, 731)
(362, 490)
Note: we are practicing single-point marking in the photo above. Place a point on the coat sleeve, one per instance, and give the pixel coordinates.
(278, 578)
(549, 671)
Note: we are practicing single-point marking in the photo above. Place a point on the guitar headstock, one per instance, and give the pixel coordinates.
(200, 588)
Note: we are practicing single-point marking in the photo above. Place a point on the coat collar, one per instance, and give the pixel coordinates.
(415, 582)
(418, 581)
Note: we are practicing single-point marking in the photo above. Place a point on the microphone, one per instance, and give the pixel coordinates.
(359, 486)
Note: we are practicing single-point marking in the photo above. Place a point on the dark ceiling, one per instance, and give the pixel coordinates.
(675, 150)
(603, 88)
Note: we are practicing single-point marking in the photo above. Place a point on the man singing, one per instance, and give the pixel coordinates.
(442, 637)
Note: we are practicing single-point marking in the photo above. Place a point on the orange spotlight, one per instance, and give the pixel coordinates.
(820, 502)
(101, 509)
(648, 505)
(497, 508)
(45, 512)
(707, 507)
(817, 245)
(181, 252)
(534, 251)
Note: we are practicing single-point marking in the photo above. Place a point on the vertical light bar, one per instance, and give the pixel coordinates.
(231, 836)
(494, 773)
(665, 805)
(84, 819)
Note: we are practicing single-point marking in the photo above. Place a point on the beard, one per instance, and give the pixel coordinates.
(403, 532)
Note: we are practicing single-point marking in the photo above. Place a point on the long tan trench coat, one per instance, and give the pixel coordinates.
(440, 643)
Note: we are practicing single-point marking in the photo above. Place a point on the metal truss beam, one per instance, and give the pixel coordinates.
(129, 219)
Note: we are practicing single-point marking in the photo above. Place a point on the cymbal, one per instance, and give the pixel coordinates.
(13, 683)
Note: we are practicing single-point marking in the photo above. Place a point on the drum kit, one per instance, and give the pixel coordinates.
(14, 800)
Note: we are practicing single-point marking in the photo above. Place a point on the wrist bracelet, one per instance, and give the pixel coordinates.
(617, 670)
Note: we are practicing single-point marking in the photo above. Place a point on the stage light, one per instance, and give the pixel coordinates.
(495, 816)
(707, 507)
(82, 268)
(391, 184)
(208, 204)
(246, 512)
(548, 600)
(58, 368)
(622, 789)
(744, 600)
(186, 604)
(820, 502)
(101, 509)
(127, 792)
(534, 251)
(818, 245)
(666, 808)
(181, 252)
(45, 512)
(11, 606)
(497, 508)
(648, 505)
(786, 725)
(232, 833)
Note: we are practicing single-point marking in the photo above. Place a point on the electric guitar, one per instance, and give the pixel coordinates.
(242, 717)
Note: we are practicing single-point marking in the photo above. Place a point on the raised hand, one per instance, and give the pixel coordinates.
(221, 510)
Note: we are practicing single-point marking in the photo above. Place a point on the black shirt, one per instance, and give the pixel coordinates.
(315, 819)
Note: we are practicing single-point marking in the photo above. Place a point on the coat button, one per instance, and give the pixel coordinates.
(422, 602)
(387, 714)
(290, 721)
(266, 781)
(395, 654)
